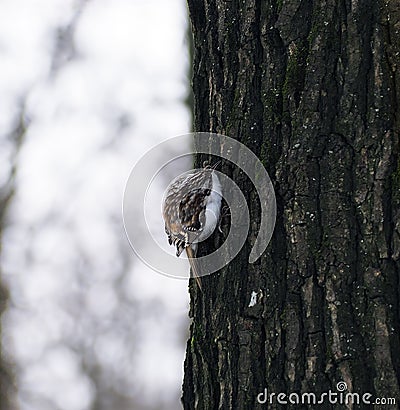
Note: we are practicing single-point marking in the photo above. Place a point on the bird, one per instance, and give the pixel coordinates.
(191, 211)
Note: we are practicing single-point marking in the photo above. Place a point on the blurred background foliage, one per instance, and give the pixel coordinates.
(86, 87)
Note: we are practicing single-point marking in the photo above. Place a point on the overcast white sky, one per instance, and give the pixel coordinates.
(100, 86)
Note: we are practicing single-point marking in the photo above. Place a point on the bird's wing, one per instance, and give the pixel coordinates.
(191, 209)
(184, 209)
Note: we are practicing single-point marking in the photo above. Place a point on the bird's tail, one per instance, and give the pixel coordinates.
(193, 265)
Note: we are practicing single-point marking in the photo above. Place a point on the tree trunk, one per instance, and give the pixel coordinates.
(313, 89)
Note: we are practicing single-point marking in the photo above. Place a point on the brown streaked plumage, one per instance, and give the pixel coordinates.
(191, 211)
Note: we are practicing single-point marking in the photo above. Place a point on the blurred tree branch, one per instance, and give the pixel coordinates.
(15, 137)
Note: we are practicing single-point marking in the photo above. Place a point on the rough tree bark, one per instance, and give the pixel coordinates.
(313, 89)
